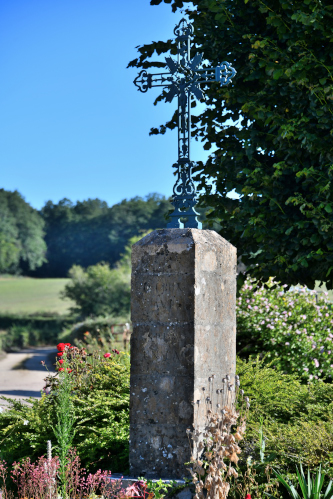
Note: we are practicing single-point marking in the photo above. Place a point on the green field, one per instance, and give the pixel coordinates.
(28, 296)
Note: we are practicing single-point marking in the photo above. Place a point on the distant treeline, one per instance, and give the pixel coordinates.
(47, 243)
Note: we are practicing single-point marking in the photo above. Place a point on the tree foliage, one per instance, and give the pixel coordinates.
(89, 232)
(21, 234)
(276, 153)
(99, 290)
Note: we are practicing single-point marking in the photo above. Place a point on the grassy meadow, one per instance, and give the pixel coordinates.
(25, 295)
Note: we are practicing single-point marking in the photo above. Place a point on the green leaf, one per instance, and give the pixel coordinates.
(277, 73)
(328, 208)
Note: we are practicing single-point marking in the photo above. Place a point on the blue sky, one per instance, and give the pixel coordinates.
(72, 124)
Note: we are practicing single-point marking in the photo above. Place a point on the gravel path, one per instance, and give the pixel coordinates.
(22, 374)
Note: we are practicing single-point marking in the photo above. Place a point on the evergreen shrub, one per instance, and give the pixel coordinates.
(296, 418)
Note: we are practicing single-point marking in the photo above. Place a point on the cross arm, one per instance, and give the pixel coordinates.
(223, 73)
(146, 80)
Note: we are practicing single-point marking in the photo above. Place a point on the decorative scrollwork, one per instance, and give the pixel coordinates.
(224, 72)
(184, 199)
(184, 80)
(143, 81)
(183, 28)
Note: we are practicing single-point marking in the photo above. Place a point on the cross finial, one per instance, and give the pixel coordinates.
(184, 80)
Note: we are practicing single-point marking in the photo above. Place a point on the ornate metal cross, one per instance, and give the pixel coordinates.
(184, 79)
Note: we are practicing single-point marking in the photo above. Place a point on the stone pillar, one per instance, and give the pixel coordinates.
(184, 330)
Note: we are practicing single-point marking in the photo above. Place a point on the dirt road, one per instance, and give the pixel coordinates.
(22, 374)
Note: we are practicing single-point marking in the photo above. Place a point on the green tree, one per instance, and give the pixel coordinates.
(276, 153)
(75, 234)
(128, 218)
(22, 244)
(100, 290)
(89, 232)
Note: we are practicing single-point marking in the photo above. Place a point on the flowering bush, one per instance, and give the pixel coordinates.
(100, 409)
(289, 326)
(40, 480)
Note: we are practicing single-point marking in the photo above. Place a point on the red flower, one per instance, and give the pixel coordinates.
(69, 370)
(61, 369)
(60, 361)
(248, 496)
(59, 354)
(67, 344)
(61, 347)
(116, 351)
(106, 355)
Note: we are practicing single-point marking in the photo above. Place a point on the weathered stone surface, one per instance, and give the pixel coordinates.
(158, 449)
(162, 347)
(184, 330)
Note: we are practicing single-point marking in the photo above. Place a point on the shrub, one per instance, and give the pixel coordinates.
(99, 290)
(289, 326)
(296, 419)
(101, 415)
(20, 331)
(41, 480)
(99, 328)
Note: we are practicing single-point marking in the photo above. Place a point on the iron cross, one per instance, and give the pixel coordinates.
(183, 80)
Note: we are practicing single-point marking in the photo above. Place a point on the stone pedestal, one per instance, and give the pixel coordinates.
(184, 330)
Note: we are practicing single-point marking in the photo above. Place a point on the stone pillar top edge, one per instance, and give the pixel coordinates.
(187, 235)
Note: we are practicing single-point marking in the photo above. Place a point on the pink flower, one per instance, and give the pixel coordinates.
(287, 343)
(316, 363)
(107, 355)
